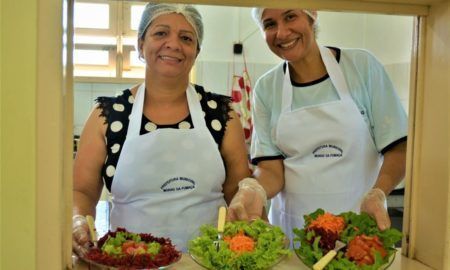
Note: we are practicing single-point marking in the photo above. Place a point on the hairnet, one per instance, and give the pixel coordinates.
(258, 12)
(154, 10)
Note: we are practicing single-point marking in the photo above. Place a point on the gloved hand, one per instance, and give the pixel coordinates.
(80, 235)
(374, 204)
(248, 203)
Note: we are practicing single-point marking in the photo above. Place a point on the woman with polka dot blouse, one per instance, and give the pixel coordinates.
(170, 153)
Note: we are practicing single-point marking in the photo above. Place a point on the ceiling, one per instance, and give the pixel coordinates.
(400, 7)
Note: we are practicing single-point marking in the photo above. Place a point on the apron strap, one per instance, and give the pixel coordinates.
(195, 108)
(333, 70)
(134, 125)
(286, 96)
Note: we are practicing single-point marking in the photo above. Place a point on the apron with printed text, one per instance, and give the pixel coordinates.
(168, 182)
(331, 160)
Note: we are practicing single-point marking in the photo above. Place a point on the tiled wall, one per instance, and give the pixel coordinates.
(217, 76)
(84, 99)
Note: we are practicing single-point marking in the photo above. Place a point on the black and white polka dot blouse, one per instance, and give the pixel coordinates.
(116, 111)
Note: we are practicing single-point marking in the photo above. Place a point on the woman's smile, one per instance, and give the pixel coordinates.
(288, 44)
(170, 59)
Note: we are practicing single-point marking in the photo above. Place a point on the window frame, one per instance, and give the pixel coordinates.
(119, 54)
(52, 220)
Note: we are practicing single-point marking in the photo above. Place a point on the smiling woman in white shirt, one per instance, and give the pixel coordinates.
(329, 129)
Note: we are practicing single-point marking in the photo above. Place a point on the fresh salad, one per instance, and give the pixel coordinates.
(366, 247)
(256, 245)
(123, 249)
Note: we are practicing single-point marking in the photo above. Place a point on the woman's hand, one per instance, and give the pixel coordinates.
(374, 204)
(391, 174)
(249, 202)
(80, 235)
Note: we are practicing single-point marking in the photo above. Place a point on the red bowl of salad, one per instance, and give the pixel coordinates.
(366, 247)
(132, 251)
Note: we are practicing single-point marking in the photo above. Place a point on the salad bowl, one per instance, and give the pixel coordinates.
(256, 245)
(120, 250)
(366, 247)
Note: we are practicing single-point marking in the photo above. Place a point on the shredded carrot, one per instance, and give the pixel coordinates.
(329, 222)
(240, 243)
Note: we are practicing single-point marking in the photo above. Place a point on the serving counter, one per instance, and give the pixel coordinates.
(289, 263)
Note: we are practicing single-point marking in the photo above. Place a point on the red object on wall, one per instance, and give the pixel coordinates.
(241, 98)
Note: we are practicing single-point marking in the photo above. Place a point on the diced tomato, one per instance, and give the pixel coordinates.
(362, 249)
(127, 244)
(130, 250)
(141, 245)
(139, 250)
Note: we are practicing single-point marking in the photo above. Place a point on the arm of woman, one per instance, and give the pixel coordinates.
(270, 175)
(91, 154)
(393, 169)
(87, 183)
(234, 154)
(391, 174)
(251, 198)
(389, 124)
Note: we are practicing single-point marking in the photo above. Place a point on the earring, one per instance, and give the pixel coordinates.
(141, 57)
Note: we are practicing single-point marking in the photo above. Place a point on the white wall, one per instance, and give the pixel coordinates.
(388, 37)
(216, 63)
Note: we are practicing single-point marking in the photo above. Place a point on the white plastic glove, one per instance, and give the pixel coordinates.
(248, 203)
(374, 203)
(80, 235)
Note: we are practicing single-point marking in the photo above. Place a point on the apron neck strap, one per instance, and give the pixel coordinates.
(333, 70)
(195, 110)
(286, 96)
(135, 118)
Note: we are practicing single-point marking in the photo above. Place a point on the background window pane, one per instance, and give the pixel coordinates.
(136, 73)
(88, 15)
(86, 72)
(131, 41)
(82, 39)
(91, 57)
(134, 60)
(136, 12)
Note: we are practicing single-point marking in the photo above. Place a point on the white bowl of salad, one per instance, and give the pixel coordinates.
(245, 246)
(366, 247)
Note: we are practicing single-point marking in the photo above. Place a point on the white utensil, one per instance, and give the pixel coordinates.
(220, 226)
(92, 230)
(329, 256)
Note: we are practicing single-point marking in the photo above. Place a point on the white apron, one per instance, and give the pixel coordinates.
(331, 160)
(168, 182)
